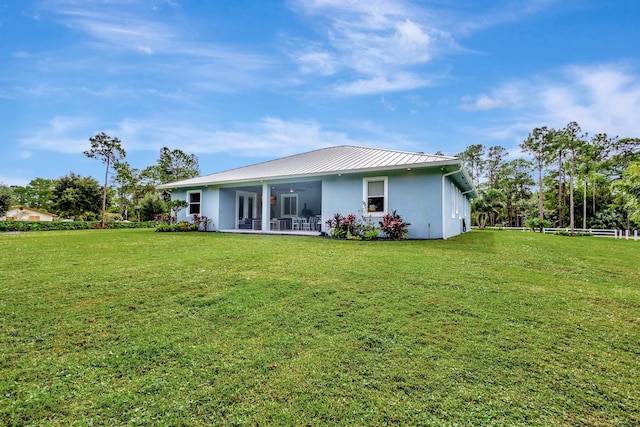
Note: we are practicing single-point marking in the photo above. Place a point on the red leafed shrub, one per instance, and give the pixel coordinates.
(393, 226)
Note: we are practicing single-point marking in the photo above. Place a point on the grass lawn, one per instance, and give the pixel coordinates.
(132, 327)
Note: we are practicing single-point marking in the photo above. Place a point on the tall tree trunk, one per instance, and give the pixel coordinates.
(104, 193)
(540, 201)
(584, 205)
(593, 196)
(571, 205)
(560, 192)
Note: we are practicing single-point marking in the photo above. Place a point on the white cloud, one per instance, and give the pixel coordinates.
(316, 62)
(381, 84)
(508, 95)
(387, 105)
(118, 29)
(61, 135)
(601, 98)
(269, 136)
(381, 41)
(170, 49)
(482, 102)
(378, 40)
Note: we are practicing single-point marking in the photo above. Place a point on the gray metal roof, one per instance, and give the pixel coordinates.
(331, 160)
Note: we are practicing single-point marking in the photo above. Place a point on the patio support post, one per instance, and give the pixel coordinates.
(266, 206)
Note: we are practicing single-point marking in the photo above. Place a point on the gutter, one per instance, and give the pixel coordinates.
(258, 179)
(443, 198)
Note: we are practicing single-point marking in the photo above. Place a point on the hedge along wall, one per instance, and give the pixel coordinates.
(11, 226)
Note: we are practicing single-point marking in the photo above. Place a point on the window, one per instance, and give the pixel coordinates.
(289, 205)
(194, 198)
(454, 199)
(375, 194)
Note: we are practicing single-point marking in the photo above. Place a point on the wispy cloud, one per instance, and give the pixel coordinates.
(380, 41)
(378, 84)
(112, 35)
(601, 98)
(267, 137)
(509, 95)
(125, 32)
(61, 134)
(389, 43)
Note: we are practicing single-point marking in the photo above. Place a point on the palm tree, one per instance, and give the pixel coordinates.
(487, 206)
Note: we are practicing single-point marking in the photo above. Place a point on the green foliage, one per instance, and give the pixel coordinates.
(349, 227)
(392, 225)
(574, 177)
(175, 165)
(108, 150)
(608, 219)
(628, 191)
(575, 233)
(487, 206)
(190, 330)
(75, 197)
(371, 234)
(150, 206)
(6, 199)
(177, 227)
(472, 157)
(537, 224)
(343, 226)
(24, 226)
(37, 194)
(338, 233)
(176, 206)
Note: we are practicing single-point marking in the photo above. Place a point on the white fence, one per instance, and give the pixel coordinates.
(596, 232)
(599, 232)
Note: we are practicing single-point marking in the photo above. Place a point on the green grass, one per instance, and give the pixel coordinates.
(131, 327)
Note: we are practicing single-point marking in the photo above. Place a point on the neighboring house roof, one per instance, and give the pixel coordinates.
(331, 160)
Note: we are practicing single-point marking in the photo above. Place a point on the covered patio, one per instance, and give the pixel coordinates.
(277, 207)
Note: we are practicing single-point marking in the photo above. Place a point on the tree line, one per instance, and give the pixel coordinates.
(570, 179)
(128, 193)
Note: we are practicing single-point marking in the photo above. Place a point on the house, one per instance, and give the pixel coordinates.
(431, 192)
(24, 213)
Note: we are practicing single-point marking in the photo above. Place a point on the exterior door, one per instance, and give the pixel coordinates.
(246, 205)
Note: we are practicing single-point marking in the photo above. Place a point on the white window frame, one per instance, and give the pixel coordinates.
(189, 193)
(454, 200)
(292, 196)
(385, 196)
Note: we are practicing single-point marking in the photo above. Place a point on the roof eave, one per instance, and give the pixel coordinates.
(185, 184)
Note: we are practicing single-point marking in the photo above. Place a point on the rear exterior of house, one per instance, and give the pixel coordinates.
(432, 193)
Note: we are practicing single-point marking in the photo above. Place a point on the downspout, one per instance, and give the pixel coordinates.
(444, 234)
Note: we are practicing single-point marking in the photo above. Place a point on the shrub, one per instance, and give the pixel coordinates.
(343, 226)
(180, 226)
(349, 227)
(537, 224)
(575, 233)
(371, 234)
(394, 227)
(24, 226)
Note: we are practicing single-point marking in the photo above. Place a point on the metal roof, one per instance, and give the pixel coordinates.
(331, 160)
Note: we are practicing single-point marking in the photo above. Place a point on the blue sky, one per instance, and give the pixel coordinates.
(241, 81)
